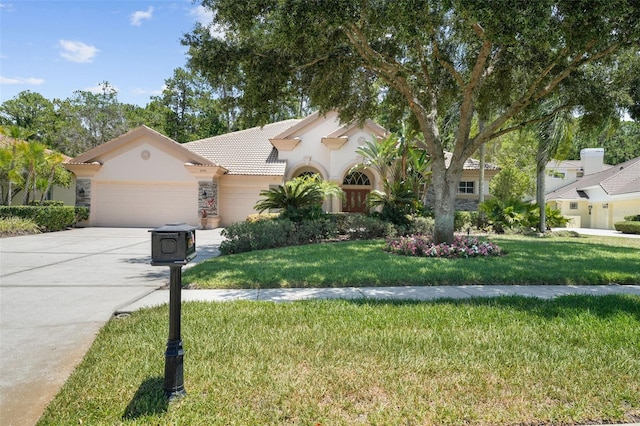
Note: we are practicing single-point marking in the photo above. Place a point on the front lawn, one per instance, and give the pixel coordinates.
(586, 260)
(510, 360)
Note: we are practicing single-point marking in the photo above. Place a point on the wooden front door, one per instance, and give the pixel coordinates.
(354, 201)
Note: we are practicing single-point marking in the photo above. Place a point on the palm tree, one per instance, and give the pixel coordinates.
(554, 140)
(33, 155)
(404, 172)
(16, 136)
(53, 167)
(298, 199)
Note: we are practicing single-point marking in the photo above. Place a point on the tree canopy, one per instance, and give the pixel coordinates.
(440, 63)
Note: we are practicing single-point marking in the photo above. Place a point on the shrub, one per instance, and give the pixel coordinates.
(81, 213)
(12, 226)
(260, 235)
(361, 227)
(47, 203)
(423, 246)
(421, 225)
(632, 218)
(463, 220)
(628, 227)
(518, 215)
(48, 218)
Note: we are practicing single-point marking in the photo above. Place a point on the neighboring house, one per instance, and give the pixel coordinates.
(591, 193)
(145, 179)
(56, 193)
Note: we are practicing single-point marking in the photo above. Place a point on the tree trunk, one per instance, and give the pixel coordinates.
(541, 162)
(446, 185)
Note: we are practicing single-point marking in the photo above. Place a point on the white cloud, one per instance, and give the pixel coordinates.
(202, 15)
(205, 17)
(77, 51)
(7, 7)
(148, 92)
(99, 88)
(138, 16)
(29, 81)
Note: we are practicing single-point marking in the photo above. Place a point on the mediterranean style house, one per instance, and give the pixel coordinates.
(593, 194)
(145, 179)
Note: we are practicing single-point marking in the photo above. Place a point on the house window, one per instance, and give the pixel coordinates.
(573, 206)
(466, 187)
(307, 174)
(555, 174)
(356, 178)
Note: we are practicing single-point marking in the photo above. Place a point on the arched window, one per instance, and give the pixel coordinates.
(356, 178)
(307, 173)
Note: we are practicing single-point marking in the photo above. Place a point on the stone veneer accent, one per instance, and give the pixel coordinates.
(211, 190)
(468, 205)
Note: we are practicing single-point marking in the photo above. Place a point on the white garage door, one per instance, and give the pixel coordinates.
(143, 205)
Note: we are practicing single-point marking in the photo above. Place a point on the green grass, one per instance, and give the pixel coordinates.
(528, 260)
(571, 360)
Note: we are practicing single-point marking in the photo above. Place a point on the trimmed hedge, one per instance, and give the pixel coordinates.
(628, 227)
(48, 218)
(632, 218)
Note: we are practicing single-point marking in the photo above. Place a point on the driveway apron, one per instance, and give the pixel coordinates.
(56, 291)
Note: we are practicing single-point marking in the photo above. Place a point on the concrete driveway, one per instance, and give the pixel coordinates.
(56, 291)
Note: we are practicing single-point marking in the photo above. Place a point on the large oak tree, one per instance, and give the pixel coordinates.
(496, 60)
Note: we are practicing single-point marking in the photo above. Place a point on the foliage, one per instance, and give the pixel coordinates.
(554, 218)
(464, 220)
(518, 215)
(81, 214)
(628, 227)
(620, 142)
(28, 166)
(477, 58)
(12, 226)
(298, 199)
(404, 171)
(188, 107)
(363, 227)
(510, 214)
(423, 246)
(48, 218)
(282, 232)
(633, 218)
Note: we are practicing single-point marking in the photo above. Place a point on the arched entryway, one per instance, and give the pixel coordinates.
(356, 186)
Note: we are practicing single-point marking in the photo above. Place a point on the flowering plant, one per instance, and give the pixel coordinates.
(421, 245)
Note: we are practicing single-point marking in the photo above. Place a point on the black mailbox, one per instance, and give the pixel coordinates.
(173, 244)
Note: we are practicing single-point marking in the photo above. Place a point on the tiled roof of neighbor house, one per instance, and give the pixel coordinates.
(621, 179)
(246, 152)
(470, 164)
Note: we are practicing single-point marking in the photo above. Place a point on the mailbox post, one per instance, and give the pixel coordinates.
(173, 245)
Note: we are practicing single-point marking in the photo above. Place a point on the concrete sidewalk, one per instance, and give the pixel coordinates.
(161, 296)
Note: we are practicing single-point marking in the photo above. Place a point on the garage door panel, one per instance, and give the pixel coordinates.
(143, 205)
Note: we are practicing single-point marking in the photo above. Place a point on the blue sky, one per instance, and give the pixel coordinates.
(57, 47)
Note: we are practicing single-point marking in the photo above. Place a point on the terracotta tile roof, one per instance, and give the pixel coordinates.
(470, 164)
(621, 179)
(246, 152)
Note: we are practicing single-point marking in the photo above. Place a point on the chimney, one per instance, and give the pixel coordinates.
(592, 160)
